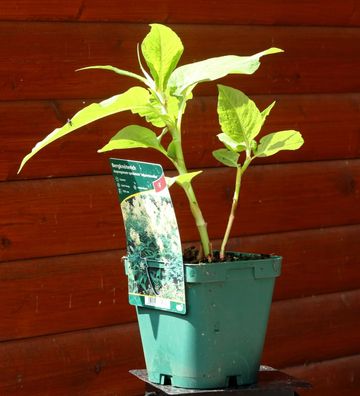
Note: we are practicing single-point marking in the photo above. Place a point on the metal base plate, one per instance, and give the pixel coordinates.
(270, 382)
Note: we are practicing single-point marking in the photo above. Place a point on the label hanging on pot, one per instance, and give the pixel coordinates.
(154, 263)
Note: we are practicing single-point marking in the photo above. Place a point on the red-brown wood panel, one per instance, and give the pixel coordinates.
(313, 329)
(54, 295)
(320, 118)
(58, 294)
(40, 10)
(338, 377)
(63, 216)
(39, 65)
(315, 12)
(65, 325)
(314, 261)
(300, 330)
(93, 362)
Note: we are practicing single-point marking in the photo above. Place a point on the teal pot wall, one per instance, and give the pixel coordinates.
(219, 341)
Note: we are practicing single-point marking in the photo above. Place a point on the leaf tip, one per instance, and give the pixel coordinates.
(20, 168)
(23, 162)
(275, 50)
(82, 68)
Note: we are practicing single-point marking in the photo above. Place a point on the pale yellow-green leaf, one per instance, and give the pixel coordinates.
(153, 115)
(170, 181)
(183, 179)
(267, 111)
(133, 136)
(215, 68)
(171, 151)
(227, 157)
(238, 115)
(117, 71)
(162, 49)
(134, 99)
(277, 141)
(230, 143)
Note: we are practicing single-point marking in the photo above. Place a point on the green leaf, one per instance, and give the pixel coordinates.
(277, 141)
(162, 49)
(150, 81)
(133, 136)
(171, 152)
(238, 115)
(230, 143)
(152, 114)
(267, 111)
(162, 134)
(186, 177)
(117, 71)
(170, 181)
(133, 99)
(172, 106)
(227, 157)
(215, 68)
(183, 179)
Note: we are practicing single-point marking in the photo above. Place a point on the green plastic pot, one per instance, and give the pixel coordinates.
(219, 342)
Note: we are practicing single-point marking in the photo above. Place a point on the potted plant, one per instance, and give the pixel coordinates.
(219, 341)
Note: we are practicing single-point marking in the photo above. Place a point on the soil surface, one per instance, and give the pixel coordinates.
(192, 255)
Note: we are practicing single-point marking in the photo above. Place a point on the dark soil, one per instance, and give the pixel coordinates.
(192, 255)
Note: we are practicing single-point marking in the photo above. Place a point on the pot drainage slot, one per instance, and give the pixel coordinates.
(165, 379)
(233, 381)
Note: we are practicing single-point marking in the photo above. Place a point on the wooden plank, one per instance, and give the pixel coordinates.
(94, 362)
(54, 295)
(39, 65)
(39, 10)
(318, 117)
(338, 377)
(315, 261)
(313, 329)
(315, 12)
(322, 327)
(59, 294)
(74, 215)
(233, 12)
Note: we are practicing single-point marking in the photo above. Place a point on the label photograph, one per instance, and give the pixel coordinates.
(154, 263)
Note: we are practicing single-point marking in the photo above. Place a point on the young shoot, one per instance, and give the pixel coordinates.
(161, 100)
(241, 122)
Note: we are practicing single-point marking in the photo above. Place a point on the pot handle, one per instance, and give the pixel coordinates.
(154, 264)
(148, 264)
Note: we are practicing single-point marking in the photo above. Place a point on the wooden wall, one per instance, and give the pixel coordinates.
(65, 326)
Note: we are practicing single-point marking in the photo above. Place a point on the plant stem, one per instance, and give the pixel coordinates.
(239, 172)
(179, 162)
(194, 205)
(199, 219)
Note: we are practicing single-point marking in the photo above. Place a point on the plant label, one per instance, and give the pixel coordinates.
(154, 263)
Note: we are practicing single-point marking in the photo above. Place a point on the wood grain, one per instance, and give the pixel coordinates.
(59, 294)
(94, 362)
(40, 66)
(66, 327)
(318, 117)
(55, 295)
(338, 377)
(38, 10)
(82, 362)
(313, 329)
(64, 216)
(315, 12)
(314, 261)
